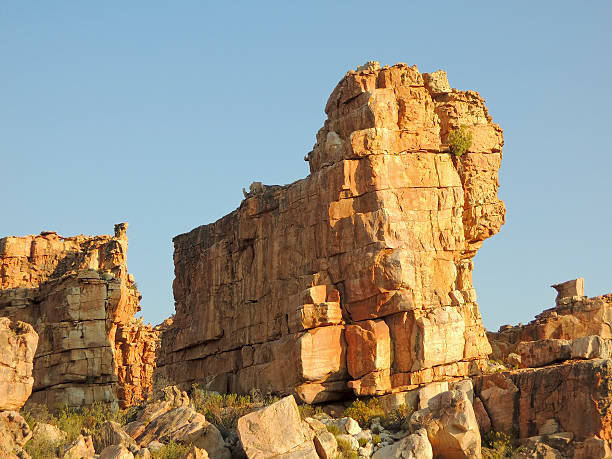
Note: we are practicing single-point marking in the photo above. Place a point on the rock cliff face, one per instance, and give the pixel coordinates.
(574, 316)
(18, 342)
(79, 297)
(359, 276)
(558, 397)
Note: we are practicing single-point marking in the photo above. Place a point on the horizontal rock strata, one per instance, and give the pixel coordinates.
(574, 316)
(357, 278)
(77, 294)
(576, 397)
(18, 342)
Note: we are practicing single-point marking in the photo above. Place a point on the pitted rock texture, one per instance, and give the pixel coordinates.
(359, 276)
(77, 294)
(18, 342)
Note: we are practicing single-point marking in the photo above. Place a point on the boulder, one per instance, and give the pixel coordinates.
(414, 446)
(14, 431)
(326, 444)
(543, 352)
(590, 347)
(18, 342)
(183, 424)
(111, 433)
(429, 391)
(437, 83)
(48, 432)
(275, 430)
(451, 425)
(143, 453)
(116, 452)
(81, 447)
(482, 417)
(499, 396)
(195, 453)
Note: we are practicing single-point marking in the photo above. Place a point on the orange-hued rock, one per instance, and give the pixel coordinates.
(77, 294)
(18, 342)
(277, 294)
(576, 395)
(573, 317)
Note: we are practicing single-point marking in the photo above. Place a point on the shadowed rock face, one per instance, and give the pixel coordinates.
(359, 276)
(78, 296)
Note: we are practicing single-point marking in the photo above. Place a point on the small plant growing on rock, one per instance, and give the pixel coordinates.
(376, 439)
(363, 442)
(460, 140)
(332, 429)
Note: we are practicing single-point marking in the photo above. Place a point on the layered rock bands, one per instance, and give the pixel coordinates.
(359, 276)
(77, 294)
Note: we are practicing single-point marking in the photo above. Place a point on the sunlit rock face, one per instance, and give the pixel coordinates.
(358, 277)
(77, 294)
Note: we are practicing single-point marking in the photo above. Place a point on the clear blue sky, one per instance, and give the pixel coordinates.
(158, 113)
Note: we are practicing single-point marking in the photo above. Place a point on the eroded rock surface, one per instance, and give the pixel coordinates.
(18, 342)
(77, 294)
(359, 276)
(574, 316)
(276, 431)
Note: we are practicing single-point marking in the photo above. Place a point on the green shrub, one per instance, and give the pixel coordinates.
(398, 419)
(364, 412)
(223, 410)
(376, 439)
(308, 411)
(40, 448)
(497, 445)
(363, 441)
(73, 420)
(344, 445)
(36, 412)
(460, 140)
(332, 429)
(172, 450)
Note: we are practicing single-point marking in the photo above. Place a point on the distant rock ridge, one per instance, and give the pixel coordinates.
(356, 279)
(77, 294)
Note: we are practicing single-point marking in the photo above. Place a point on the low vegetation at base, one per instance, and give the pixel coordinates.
(73, 420)
(345, 449)
(497, 445)
(41, 448)
(172, 450)
(224, 410)
(365, 412)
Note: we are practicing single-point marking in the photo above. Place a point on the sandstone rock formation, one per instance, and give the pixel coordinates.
(77, 294)
(173, 419)
(559, 402)
(14, 433)
(359, 276)
(451, 425)
(574, 316)
(577, 396)
(275, 431)
(18, 342)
